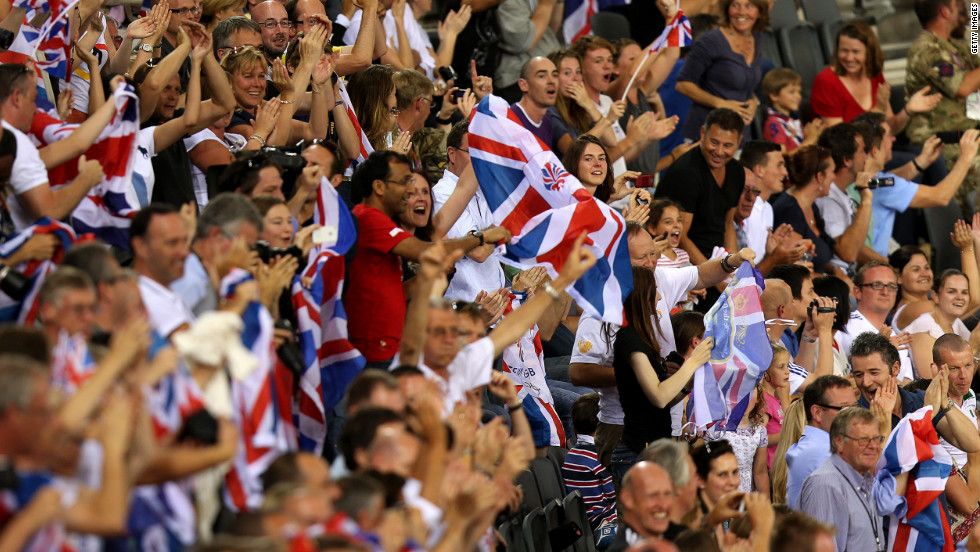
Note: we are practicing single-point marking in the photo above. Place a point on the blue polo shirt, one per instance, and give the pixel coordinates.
(885, 203)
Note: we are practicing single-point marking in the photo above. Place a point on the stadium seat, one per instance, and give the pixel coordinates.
(557, 457)
(783, 14)
(828, 37)
(820, 11)
(549, 483)
(801, 51)
(532, 497)
(770, 49)
(574, 508)
(513, 534)
(535, 529)
(610, 25)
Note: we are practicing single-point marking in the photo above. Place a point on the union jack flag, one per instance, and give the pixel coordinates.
(108, 207)
(510, 164)
(739, 358)
(51, 39)
(331, 360)
(913, 446)
(262, 407)
(677, 34)
(24, 312)
(71, 363)
(578, 16)
(366, 147)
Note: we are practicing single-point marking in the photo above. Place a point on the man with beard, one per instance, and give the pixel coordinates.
(276, 26)
(941, 59)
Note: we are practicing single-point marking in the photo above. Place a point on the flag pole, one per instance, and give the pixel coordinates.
(635, 73)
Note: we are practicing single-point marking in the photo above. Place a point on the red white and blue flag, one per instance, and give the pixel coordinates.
(677, 34)
(24, 312)
(578, 16)
(51, 39)
(71, 363)
(545, 209)
(739, 358)
(913, 447)
(261, 405)
(366, 147)
(108, 207)
(330, 360)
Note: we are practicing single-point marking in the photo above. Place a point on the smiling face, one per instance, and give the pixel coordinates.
(723, 477)
(789, 97)
(169, 98)
(774, 173)
(953, 296)
(718, 145)
(419, 202)
(540, 85)
(742, 15)
(597, 70)
(569, 73)
(870, 373)
(276, 26)
(647, 499)
(861, 457)
(852, 55)
(248, 85)
(396, 188)
(592, 167)
(642, 250)
(670, 222)
(876, 302)
(917, 276)
(277, 227)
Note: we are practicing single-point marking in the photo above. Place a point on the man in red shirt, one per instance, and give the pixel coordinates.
(375, 299)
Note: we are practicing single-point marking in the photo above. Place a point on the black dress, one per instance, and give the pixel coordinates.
(643, 422)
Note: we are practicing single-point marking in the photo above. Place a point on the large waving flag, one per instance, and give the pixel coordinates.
(24, 311)
(913, 447)
(739, 358)
(677, 34)
(108, 207)
(262, 408)
(330, 360)
(545, 208)
(51, 39)
(366, 148)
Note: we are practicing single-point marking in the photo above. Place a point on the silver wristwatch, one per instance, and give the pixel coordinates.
(146, 47)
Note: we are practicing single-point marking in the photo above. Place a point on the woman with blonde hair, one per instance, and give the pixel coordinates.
(794, 421)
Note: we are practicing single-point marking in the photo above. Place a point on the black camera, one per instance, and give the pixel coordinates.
(447, 73)
(14, 284)
(813, 304)
(881, 182)
(267, 253)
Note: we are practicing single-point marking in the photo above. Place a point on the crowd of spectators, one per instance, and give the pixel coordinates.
(155, 393)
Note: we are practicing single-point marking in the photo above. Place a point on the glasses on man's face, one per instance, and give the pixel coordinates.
(272, 24)
(878, 286)
(834, 408)
(865, 441)
(407, 181)
(751, 192)
(395, 111)
(184, 12)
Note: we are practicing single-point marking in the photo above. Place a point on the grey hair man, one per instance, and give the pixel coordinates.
(674, 456)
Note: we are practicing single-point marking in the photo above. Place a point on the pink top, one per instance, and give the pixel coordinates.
(830, 98)
(775, 424)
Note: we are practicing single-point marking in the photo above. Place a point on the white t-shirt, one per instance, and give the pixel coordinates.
(27, 173)
(471, 368)
(591, 347)
(856, 326)
(605, 102)
(757, 226)
(80, 81)
(417, 39)
(837, 210)
(925, 323)
(969, 409)
(673, 285)
(471, 276)
(232, 142)
(166, 308)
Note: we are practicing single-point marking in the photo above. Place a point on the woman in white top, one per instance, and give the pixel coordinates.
(213, 146)
(915, 284)
(950, 298)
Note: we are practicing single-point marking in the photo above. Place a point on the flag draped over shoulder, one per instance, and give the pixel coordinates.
(24, 312)
(739, 358)
(366, 148)
(261, 405)
(677, 34)
(330, 360)
(913, 447)
(108, 207)
(545, 209)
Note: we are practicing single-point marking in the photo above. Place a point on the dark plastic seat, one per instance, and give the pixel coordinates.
(783, 14)
(535, 530)
(770, 49)
(549, 483)
(557, 456)
(801, 51)
(820, 11)
(574, 508)
(610, 25)
(513, 534)
(532, 497)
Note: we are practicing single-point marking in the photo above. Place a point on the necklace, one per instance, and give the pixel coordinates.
(741, 44)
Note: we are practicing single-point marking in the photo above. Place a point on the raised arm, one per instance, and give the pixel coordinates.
(661, 393)
(161, 75)
(82, 138)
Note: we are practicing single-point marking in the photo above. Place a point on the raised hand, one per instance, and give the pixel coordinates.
(482, 86)
(702, 352)
(280, 78)
(66, 102)
(529, 278)
(493, 305)
(922, 101)
(402, 143)
(969, 143)
(266, 115)
(322, 70)
(663, 127)
(142, 27)
(962, 236)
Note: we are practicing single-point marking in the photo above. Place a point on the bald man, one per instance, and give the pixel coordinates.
(647, 498)
(818, 334)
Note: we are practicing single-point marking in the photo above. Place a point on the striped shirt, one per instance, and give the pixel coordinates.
(582, 472)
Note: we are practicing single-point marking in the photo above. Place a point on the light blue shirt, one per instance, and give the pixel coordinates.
(812, 450)
(885, 203)
(195, 287)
